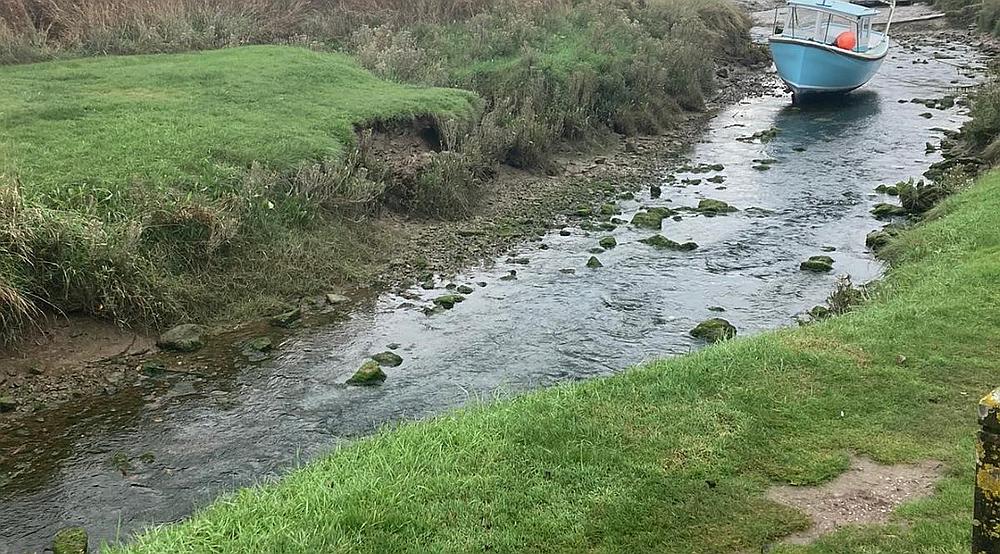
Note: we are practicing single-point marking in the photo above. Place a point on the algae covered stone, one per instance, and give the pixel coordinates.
(448, 301)
(663, 243)
(370, 373)
(818, 264)
(465, 289)
(594, 263)
(388, 359)
(714, 330)
(883, 210)
(608, 242)
(183, 338)
(70, 540)
(287, 319)
(710, 206)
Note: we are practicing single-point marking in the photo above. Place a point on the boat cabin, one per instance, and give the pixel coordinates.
(834, 23)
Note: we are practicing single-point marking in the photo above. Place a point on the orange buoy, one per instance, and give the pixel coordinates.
(846, 40)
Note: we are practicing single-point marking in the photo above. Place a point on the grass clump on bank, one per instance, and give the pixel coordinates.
(127, 180)
(675, 456)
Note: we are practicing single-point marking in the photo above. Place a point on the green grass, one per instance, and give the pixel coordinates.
(150, 189)
(79, 134)
(622, 464)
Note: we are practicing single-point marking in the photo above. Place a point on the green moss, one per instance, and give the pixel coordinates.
(370, 373)
(71, 540)
(818, 264)
(710, 206)
(388, 359)
(608, 242)
(714, 330)
(448, 301)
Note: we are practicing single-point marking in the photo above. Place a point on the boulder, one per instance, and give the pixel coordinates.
(891, 190)
(594, 263)
(388, 359)
(465, 289)
(370, 373)
(818, 264)
(609, 209)
(448, 301)
(883, 210)
(652, 218)
(714, 330)
(608, 242)
(183, 338)
(714, 207)
(663, 243)
(70, 540)
(655, 191)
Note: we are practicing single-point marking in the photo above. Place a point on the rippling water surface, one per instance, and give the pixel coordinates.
(206, 436)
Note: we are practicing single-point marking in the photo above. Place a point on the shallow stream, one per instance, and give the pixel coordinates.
(140, 457)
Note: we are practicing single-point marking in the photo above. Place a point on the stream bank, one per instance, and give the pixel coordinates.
(153, 453)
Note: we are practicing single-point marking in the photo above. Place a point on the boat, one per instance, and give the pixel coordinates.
(827, 46)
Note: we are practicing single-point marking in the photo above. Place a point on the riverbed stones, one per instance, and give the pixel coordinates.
(655, 191)
(334, 299)
(609, 209)
(465, 289)
(183, 338)
(448, 301)
(883, 210)
(709, 206)
(817, 264)
(663, 243)
(651, 218)
(891, 190)
(370, 373)
(714, 330)
(388, 359)
(287, 319)
(608, 242)
(594, 263)
(565, 232)
(70, 540)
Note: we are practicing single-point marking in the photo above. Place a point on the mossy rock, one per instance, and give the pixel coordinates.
(883, 210)
(717, 179)
(655, 191)
(594, 263)
(714, 330)
(585, 211)
(818, 264)
(891, 190)
(465, 289)
(880, 238)
(287, 319)
(712, 206)
(609, 209)
(663, 243)
(819, 312)
(647, 220)
(70, 540)
(388, 359)
(370, 373)
(608, 242)
(7, 404)
(448, 301)
(183, 338)
(596, 250)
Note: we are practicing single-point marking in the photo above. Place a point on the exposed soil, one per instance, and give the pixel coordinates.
(865, 494)
(74, 357)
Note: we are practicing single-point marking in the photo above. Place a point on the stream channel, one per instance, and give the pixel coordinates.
(196, 438)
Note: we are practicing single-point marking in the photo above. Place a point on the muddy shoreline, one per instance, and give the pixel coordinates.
(75, 358)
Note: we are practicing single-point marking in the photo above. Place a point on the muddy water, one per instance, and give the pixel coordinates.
(143, 457)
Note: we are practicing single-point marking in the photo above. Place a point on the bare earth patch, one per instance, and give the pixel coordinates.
(865, 494)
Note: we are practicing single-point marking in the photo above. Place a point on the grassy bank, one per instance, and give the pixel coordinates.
(126, 180)
(674, 456)
(226, 185)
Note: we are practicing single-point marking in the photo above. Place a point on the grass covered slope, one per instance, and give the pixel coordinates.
(80, 133)
(675, 456)
(150, 189)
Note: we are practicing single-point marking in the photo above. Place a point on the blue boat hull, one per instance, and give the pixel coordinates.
(813, 67)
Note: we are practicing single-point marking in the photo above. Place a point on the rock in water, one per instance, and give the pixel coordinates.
(714, 207)
(652, 218)
(608, 242)
(370, 373)
(183, 338)
(663, 243)
(71, 540)
(465, 289)
(883, 210)
(448, 301)
(335, 299)
(714, 330)
(594, 263)
(819, 264)
(655, 191)
(287, 319)
(388, 359)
